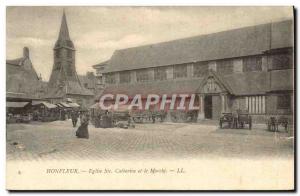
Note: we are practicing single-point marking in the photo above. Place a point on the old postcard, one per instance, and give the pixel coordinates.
(150, 98)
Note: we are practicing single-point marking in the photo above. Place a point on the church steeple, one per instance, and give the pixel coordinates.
(64, 57)
(64, 37)
(64, 81)
(64, 31)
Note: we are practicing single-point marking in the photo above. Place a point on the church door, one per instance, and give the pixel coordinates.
(208, 107)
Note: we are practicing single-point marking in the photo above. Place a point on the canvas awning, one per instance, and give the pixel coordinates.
(65, 105)
(95, 106)
(16, 104)
(46, 104)
(74, 105)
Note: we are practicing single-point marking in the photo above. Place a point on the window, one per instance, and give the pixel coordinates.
(180, 71)
(282, 61)
(200, 69)
(110, 78)
(252, 64)
(284, 101)
(142, 75)
(225, 66)
(256, 104)
(125, 77)
(160, 73)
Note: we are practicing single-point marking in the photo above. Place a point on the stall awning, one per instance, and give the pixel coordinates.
(74, 105)
(65, 105)
(16, 104)
(46, 104)
(96, 105)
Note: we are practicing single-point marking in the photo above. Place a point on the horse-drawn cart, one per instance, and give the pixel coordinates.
(148, 116)
(227, 118)
(273, 123)
(244, 118)
(239, 120)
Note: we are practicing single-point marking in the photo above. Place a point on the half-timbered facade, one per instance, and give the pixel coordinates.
(249, 68)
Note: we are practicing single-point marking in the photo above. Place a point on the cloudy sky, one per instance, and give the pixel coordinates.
(98, 31)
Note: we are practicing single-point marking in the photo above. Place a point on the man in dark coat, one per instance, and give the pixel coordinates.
(74, 117)
(63, 115)
(82, 131)
(97, 120)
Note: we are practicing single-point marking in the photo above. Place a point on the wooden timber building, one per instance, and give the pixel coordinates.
(249, 68)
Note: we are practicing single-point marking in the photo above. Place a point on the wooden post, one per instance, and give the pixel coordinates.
(201, 104)
(223, 102)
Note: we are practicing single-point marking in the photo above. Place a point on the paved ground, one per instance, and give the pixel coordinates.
(56, 140)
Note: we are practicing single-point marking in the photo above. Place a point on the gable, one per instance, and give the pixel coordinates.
(213, 83)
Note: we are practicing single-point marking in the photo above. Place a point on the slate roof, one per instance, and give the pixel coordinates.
(84, 79)
(282, 80)
(247, 83)
(70, 87)
(21, 82)
(18, 61)
(101, 64)
(245, 41)
(16, 104)
(20, 96)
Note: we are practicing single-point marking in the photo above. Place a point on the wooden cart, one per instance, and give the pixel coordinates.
(244, 118)
(227, 118)
(273, 123)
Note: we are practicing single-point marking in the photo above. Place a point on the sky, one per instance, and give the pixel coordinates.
(98, 31)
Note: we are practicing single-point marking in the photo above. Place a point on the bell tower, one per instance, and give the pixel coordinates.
(64, 82)
(64, 57)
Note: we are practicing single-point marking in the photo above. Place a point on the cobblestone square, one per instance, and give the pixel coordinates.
(56, 141)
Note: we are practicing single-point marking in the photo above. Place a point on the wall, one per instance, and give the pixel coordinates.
(216, 107)
(271, 106)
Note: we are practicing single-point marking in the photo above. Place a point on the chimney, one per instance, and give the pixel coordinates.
(26, 52)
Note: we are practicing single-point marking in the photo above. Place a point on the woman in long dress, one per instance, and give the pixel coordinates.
(82, 131)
